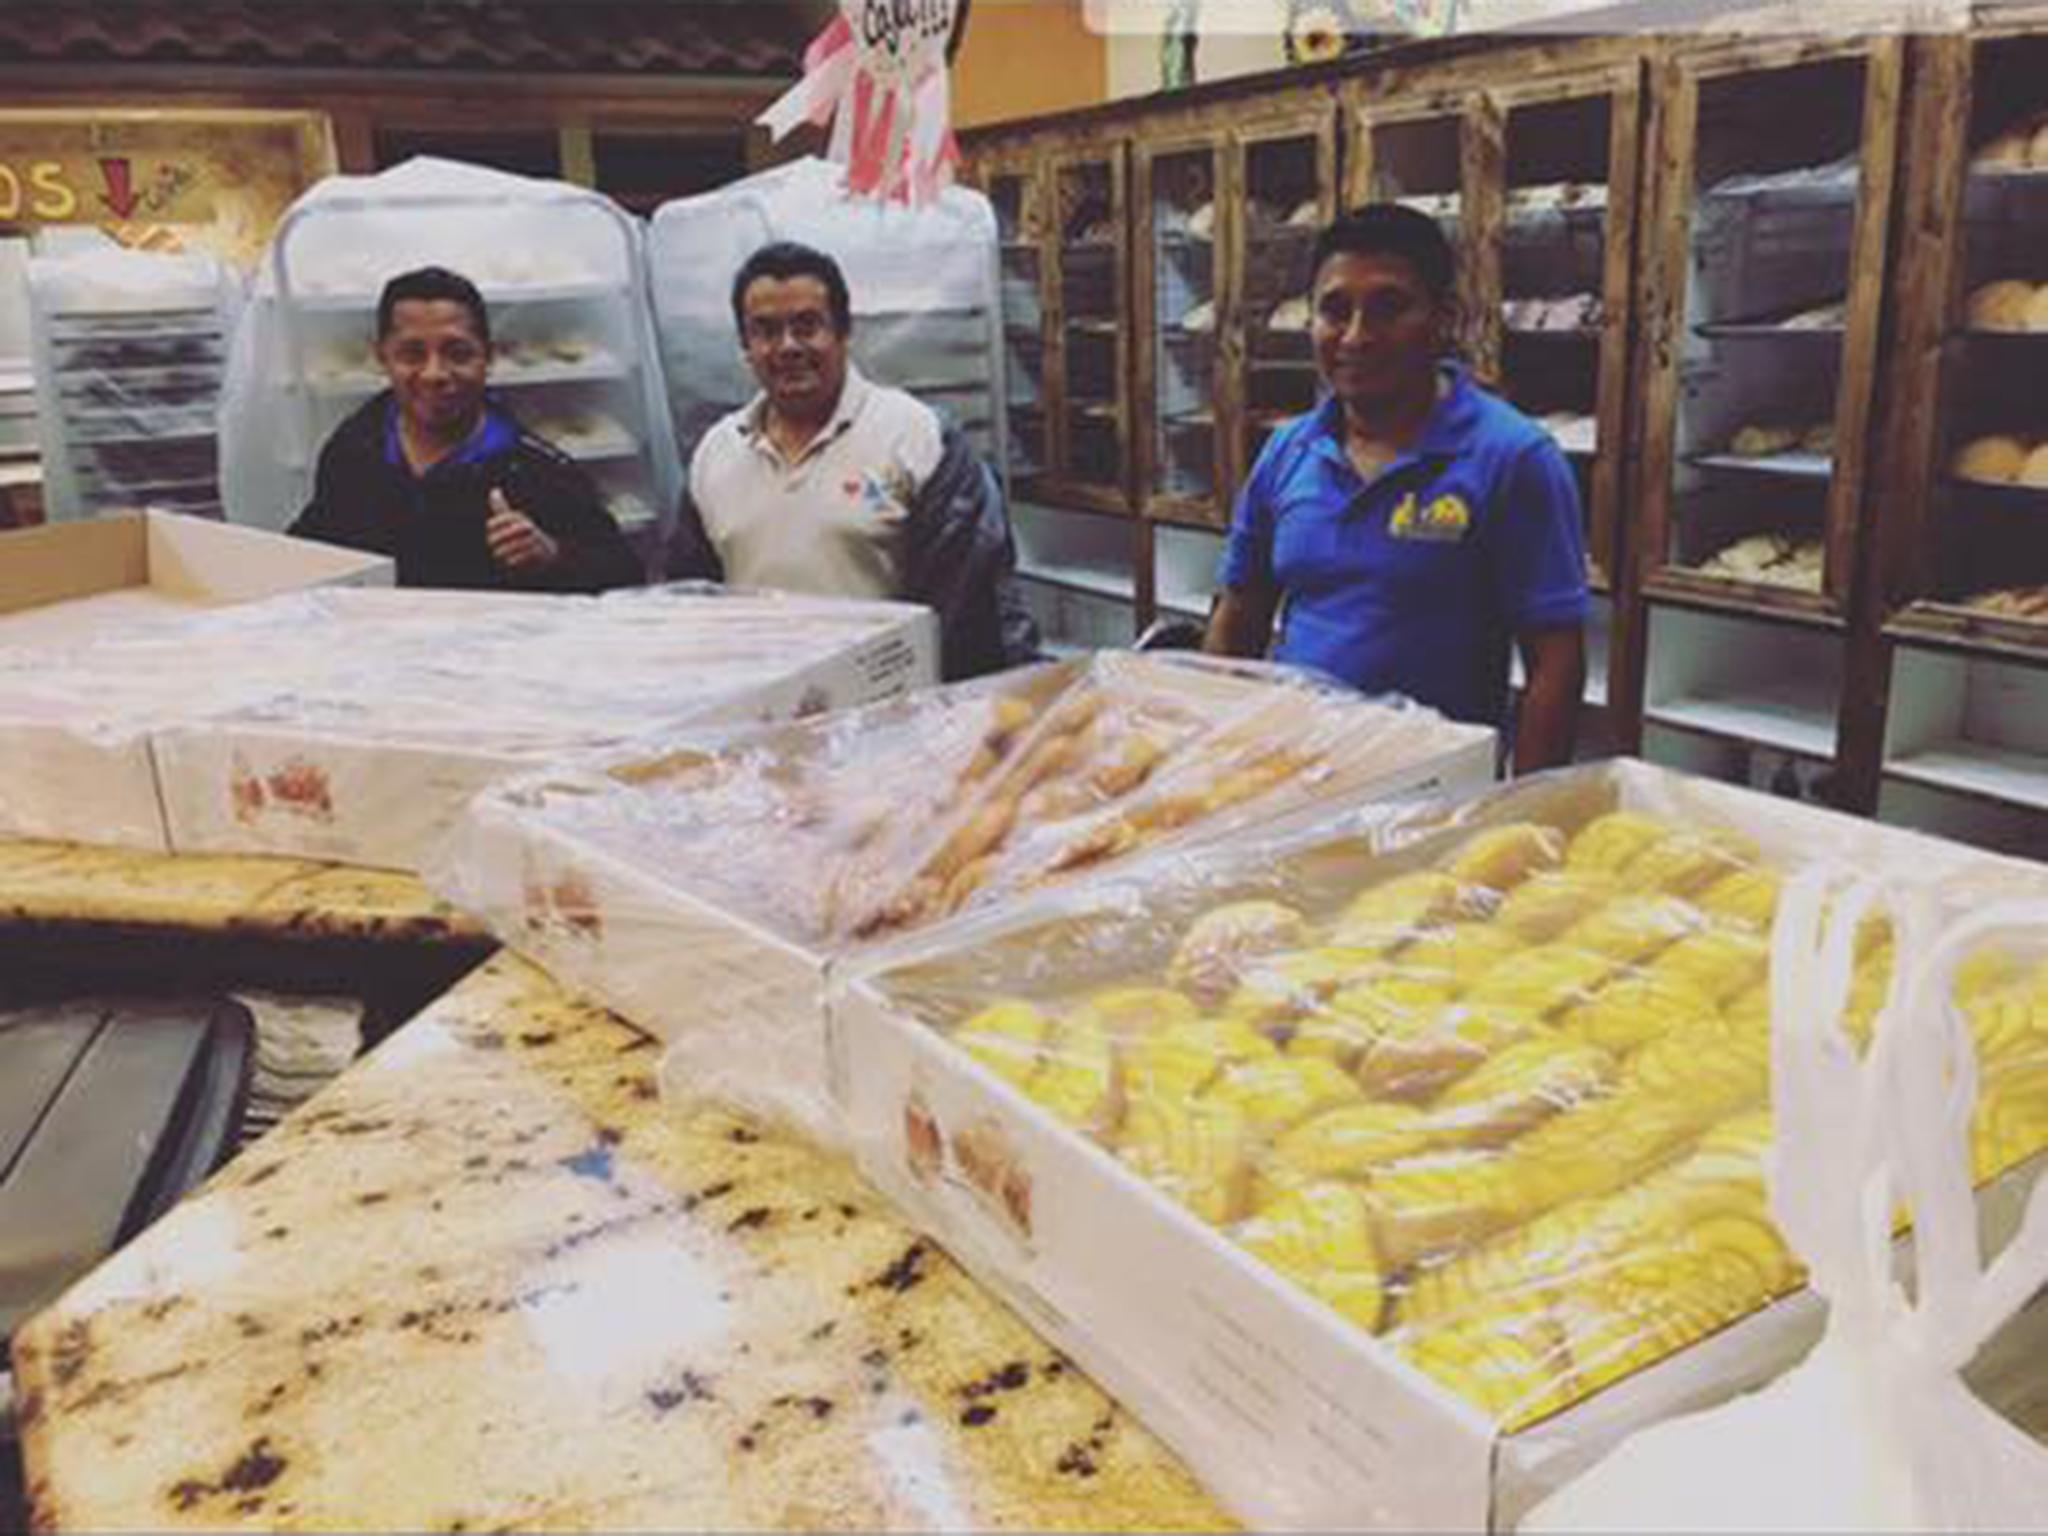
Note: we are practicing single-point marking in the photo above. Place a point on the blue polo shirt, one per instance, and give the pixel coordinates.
(1417, 581)
(494, 434)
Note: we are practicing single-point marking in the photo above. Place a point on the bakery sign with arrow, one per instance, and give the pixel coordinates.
(103, 188)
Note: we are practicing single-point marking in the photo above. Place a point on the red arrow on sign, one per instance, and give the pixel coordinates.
(120, 194)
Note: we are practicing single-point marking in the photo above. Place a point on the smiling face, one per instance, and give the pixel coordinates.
(1378, 330)
(437, 363)
(796, 352)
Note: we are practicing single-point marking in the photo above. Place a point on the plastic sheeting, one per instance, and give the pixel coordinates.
(1491, 1087)
(129, 350)
(922, 284)
(562, 270)
(703, 891)
(351, 724)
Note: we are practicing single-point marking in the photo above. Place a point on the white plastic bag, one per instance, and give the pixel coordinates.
(1875, 1430)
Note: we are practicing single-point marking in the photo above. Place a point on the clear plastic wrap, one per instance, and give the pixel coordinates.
(712, 883)
(351, 724)
(129, 348)
(1875, 1430)
(922, 283)
(561, 269)
(1491, 1086)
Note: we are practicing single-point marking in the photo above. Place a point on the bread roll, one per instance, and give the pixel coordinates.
(2009, 151)
(1759, 442)
(2037, 307)
(1997, 459)
(2001, 306)
(2037, 149)
(2035, 471)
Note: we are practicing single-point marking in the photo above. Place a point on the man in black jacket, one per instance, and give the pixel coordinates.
(441, 477)
(832, 484)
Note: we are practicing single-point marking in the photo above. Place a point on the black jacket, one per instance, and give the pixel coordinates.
(434, 527)
(960, 563)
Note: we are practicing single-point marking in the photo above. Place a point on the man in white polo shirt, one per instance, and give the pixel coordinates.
(829, 483)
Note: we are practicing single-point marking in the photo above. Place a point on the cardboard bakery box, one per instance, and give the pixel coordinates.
(704, 890)
(1394, 1171)
(407, 704)
(75, 762)
(77, 581)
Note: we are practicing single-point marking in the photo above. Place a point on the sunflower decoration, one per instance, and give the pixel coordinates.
(1317, 31)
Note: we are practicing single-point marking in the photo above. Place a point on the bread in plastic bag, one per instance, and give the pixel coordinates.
(1875, 1429)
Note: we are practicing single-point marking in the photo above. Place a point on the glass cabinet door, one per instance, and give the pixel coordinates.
(1564, 257)
(1181, 201)
(1416, 157)
(1758, 414)
(1990, 503)
(1017, 195)
(1090, 440)
(1287, 172)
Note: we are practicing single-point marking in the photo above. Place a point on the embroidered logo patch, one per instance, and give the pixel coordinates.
(1445, 520)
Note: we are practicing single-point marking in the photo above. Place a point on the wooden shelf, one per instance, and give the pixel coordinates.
(1685, 588)
(1965, 631)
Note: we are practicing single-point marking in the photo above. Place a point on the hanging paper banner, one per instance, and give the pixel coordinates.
(878, 76)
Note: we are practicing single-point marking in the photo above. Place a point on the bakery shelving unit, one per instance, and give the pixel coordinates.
(128, 380)
(1184, 386)
(1760, 305)
(1087, 345)
(1286, 165)
(1431, 152)
(573, 353)
(1959, 671)
(1016, 189)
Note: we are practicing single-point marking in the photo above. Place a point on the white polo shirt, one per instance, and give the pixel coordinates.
(832, 522)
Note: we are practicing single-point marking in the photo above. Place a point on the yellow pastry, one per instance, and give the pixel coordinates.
(1501, 858)
(1396, 910)
(1451, 1042)
(1317, 1227)
(1457, 952)
(1513, 1367)
(1220, 944)
(1542, 981)
(1748, 896)
(1541, 908)
(1346, 1142)
(1720, 962)
(1686, 863)
(1008, 1038)
(1997, 459)
(1076, 1081)
(1283, 1091)
(1127, 1011)
(1606, 844)
(1281, 988)
(1521, 1087)
(1390, 1002)
(1627, 1012)
(1635, 927)
(1191, 1149)
(1181, 1059)
(2000, 306)
(1436, 1202)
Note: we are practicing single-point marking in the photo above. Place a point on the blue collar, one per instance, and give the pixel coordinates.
(495, 433)
(1446, 434)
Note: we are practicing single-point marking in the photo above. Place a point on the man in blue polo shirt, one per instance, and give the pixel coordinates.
(1413, 527)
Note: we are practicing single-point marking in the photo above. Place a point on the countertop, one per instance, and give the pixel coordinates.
(489, 1279)
(65, 885)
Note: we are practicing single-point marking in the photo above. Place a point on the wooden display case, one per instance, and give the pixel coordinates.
(1184, 383)
(1015, 186)
(1763, 283)
(1285, 166)
(1087, 350)
(1433, 152)
(1967, 565)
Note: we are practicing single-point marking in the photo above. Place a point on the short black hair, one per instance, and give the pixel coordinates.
(783, 260)
(429, 285)
(1388, 229)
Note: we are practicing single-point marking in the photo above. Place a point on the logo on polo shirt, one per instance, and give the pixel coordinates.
(1445, 520)
(879, 492)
